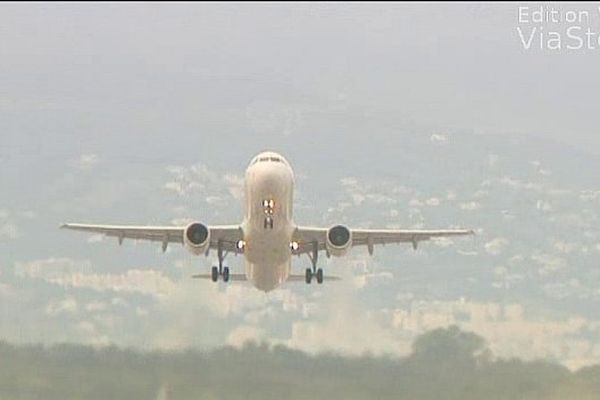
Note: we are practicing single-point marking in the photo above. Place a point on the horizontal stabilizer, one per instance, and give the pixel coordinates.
(242, 277)
(302, 278)
(232, 277)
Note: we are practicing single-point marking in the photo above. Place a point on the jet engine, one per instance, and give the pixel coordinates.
(196, 238)
(339, 240)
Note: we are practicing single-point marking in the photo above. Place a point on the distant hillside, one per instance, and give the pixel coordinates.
(444, 364)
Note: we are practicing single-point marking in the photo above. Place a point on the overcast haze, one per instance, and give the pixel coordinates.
(424, 116)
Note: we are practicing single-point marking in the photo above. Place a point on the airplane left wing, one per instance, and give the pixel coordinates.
(228, 235)
(309, 238)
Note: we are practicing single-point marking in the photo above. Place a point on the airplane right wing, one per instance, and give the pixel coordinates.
(310, 239)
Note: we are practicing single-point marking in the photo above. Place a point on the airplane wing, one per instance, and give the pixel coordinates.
(228, 235)
(309, 237)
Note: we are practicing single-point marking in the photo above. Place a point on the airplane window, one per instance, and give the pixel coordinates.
(274, 159)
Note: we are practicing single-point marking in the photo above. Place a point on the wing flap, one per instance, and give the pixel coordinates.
(374, 236)
(227, 235)
(170, 234)
(306, 237)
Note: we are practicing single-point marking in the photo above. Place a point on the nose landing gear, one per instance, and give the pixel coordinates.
(269, 209)
(268, 223)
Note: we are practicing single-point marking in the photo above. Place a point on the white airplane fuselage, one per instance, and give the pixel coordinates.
(268, 222)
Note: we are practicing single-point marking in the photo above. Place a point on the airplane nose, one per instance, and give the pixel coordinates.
(272, 176)
(271, 179)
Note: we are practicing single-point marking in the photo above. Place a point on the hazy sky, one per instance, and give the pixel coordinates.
(444, 65)
(418, 115)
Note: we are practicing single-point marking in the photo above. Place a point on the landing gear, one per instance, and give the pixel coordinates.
(316, 272)
(269, 209)
(268, 223)
(222, 271)
(309, 275)
(320, 276)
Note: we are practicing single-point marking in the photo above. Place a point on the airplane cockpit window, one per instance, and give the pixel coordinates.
(269, 158)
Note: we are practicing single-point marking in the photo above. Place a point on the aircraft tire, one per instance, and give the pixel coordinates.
(308, 276)
(320, 276)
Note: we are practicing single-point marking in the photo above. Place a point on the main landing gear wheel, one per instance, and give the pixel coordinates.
(320, 276)
(314, 271)
(308, 276)
(215, 274)
(222, 271)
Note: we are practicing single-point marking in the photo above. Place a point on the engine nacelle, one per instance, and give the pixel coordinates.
(339, 240)
(196, 238)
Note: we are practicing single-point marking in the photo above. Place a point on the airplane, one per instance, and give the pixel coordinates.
(267, 237)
